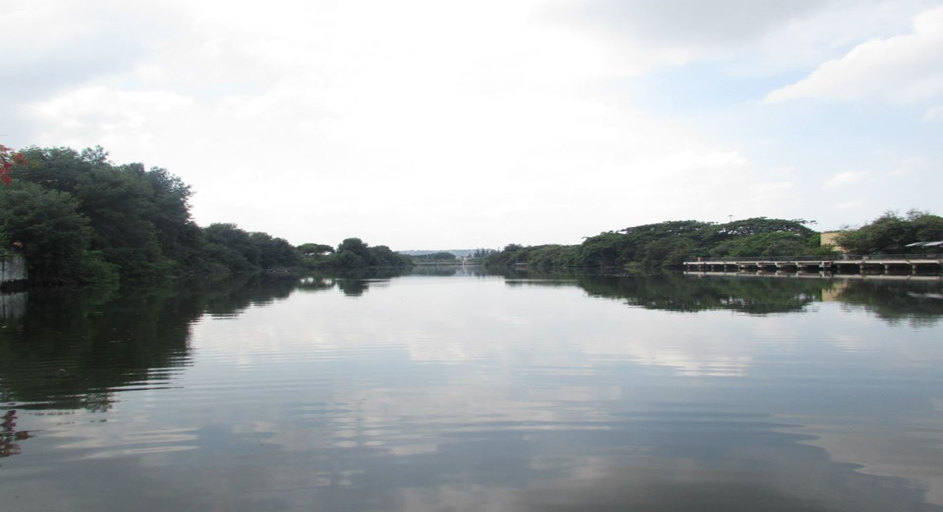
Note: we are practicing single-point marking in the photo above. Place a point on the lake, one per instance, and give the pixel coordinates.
(459, 390)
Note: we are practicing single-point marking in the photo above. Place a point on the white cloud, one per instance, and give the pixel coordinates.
(109, 116)
(911, 165)
(421, 122)
(903, 69)
(745, 37)
(852, 205)
(400, 124)
(934, 114)
(847, 179)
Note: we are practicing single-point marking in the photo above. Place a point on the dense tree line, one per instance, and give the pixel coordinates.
(78, 217)
(352, 254)
(892, 233)
(669, 244)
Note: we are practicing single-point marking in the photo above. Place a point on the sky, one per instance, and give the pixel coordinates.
(437, 124)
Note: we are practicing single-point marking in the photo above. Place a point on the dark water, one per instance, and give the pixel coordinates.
(474, 392)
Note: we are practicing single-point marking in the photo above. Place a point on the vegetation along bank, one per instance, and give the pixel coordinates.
(669, 244)
(78, 218)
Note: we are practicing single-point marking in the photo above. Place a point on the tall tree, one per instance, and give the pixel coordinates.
(54, 236)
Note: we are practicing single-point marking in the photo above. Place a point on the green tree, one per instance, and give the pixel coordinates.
(274, 252)
(670, 243)
(356, 246)
(891, 233)
(140, 219)
(231, 247)
(309, 250)
(54, 236)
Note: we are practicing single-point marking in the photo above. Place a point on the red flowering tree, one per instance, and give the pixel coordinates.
(7, 161)
(6, 165)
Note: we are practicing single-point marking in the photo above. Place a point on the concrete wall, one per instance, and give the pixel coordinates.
(12, 305)
(12, 268)
(828, 238)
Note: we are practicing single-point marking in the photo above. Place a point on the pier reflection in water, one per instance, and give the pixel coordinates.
(465, 391)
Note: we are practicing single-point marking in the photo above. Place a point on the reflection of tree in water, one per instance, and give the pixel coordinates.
(353, 287)
(9, 436)
(72, 348)
(231, 298)
(918, 302)
(315, 284)
(355, 283)
(675, 292)
(75, 349)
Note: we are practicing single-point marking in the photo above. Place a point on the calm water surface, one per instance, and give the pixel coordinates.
(476, 392)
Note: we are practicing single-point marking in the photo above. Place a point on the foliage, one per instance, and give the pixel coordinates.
(311, 250)
(54, 236)
(353, 254)
(274, 252)
(140, 220)
(763, 244)
(668, 244)
(126, 219)
(7, 161)
(890, 233)
(384, 257)
(232, 247)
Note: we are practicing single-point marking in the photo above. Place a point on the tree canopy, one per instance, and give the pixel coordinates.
(669, 243)
(81, 218)
(891, 233)
(353, 253)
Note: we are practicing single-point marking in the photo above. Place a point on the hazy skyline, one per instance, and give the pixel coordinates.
(437, 124)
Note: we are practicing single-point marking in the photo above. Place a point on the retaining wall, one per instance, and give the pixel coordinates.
(12, 268)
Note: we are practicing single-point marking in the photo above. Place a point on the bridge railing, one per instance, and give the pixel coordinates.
(912, 256)
(847, 257)
(767, 258)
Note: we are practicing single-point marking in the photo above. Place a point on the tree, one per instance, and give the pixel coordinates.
(7, 161)
(54, 236)
(891, 233)
(383, 256)
(136, 220)
(274, 252)
(139, 219)
(357, 247)
(313, 250)
(231, 247)
(668, 244)
(346, 260)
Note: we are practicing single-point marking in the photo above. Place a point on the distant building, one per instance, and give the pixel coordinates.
(830, 238)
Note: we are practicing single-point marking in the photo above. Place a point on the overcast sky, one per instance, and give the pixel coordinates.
(443, 124)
